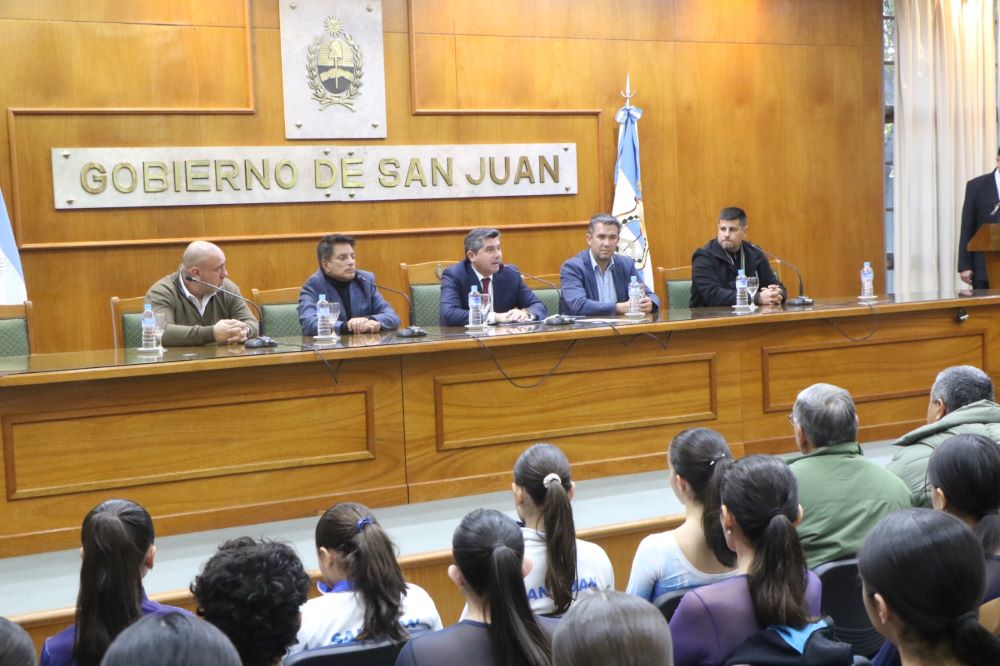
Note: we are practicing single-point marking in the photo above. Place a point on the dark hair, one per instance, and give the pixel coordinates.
(325, 247)
(116, 535)
(962, 385)
(171, 639)
(369, 560)
(489, 551)
(552, 500)
(16, 648)
(701, 457)
(762, 495)
(475, 239)
(930, 570)
(607, 628)
(732, 213)
(603, 218)
(252, 591)
(967, 470)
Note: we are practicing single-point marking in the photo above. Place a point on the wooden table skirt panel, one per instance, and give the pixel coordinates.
(242, 438)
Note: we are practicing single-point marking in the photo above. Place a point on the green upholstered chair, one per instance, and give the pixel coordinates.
(16, 330)
(676, 287)
(280, 311)
(126, 321)
(423, 282)
(545, 292)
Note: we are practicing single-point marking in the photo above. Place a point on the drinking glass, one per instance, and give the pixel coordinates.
(753, 284)
(334, 317)
(484, 305)
(161, 326)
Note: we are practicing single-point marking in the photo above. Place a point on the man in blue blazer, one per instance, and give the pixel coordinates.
(510, 299)
(595, 281)
(362, 308)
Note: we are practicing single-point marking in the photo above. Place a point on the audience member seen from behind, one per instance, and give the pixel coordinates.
(760, 508)
(961, 403)
(499, 628)
(696, 552)
(923, 575)
(117, 552)
(608, 628)
(842, 493)
(562, 565)
(173, 639)
(363, 595)
(252, 591)
(964, 475)
(16, 648)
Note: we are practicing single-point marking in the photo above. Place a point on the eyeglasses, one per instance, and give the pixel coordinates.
(791, 418)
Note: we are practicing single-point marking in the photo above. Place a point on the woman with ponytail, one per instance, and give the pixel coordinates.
(923, 575)
(362, 592)
(695, 553)
(117, 552)
(760, 509)
(562, 565)
(499, 628)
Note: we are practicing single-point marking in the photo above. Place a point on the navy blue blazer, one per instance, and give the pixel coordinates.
(365, 302)
(579, 285)
(509, 292)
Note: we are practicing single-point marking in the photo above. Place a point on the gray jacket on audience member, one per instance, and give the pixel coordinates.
(910, 461)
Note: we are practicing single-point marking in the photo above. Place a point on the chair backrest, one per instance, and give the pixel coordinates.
(676, 286)
(423, 282)
(126, 321)
(668, 602)
(365, 653)
(546, 293)
(17, 331)
(279, 311)
(842, 600)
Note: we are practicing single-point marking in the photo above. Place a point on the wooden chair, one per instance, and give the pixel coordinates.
(17, 330)
(676, 286)
(423, 282)
(126, 321)
(545, 292)
(279, 311)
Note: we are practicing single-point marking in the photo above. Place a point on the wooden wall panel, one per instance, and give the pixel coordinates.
(772, 104)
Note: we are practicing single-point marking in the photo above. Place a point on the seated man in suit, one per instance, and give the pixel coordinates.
(714, 266)
(510, 299)
(362, 308)
(197, 312)
(595, 281)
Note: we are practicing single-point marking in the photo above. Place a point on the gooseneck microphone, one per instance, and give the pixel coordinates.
(552, 320)
(799, 300)
(410, 331)
(265, 341)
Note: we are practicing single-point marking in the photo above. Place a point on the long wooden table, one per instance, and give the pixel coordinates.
(220, 436)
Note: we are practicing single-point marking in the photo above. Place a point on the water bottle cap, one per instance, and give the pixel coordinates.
(868, 264)
(635, 279)
(147, 306)
(475, 289)
(322, 297)
(741, 272)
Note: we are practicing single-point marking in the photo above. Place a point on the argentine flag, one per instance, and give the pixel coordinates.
(12, 289)
(627, 206)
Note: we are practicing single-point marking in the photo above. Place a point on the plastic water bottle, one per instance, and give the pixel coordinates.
(324, 324)
(635, 294)
(475, 308)
(742, 295)
(148, 328)
(867, 282)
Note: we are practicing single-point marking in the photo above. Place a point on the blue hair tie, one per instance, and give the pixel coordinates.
(363, 523)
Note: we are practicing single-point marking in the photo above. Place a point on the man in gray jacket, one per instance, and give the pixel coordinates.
(961, 402)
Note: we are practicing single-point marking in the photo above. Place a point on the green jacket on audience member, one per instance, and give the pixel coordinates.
(910, 461)
(843, 495)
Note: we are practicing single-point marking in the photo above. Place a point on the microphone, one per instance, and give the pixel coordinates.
(265, 341)
(799, 300)
(410, 331)
(552, 320)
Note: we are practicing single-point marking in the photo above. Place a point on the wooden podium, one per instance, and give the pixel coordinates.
(987, 240)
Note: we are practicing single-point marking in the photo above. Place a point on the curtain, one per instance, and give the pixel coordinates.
(945, 132)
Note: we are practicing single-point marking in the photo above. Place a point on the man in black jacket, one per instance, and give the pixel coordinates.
(715, 265)
(982, 206)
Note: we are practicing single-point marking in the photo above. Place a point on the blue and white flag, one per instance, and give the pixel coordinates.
(627, 206)
(12, 289)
